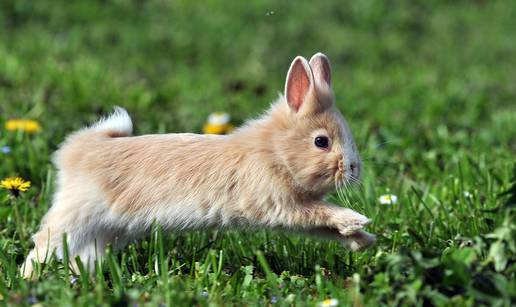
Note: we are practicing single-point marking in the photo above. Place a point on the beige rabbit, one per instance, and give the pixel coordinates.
(272, 172)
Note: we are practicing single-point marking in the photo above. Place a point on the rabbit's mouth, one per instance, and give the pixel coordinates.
(349, 175)
(340, 176)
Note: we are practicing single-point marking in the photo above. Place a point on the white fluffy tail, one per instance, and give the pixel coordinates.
(115, 125)
(118, 124)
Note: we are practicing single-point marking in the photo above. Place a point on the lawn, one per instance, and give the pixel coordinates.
(429, 90)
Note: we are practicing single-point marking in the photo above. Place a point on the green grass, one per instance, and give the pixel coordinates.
(428, 87)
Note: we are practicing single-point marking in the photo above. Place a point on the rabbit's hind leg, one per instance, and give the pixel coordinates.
(91, 252)
(45, 245)
(78, 223)
(49, 241)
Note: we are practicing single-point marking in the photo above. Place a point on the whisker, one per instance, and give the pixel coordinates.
(355, 180)
(375, 146)
(383, 143)
(371, 162)
(347, 190)
(368, 150)
(340, 191)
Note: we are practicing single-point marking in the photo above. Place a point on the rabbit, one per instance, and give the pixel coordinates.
(270, 173)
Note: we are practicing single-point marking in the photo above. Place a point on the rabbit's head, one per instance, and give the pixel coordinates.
(312, 139)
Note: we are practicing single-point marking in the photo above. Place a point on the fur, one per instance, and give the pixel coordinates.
(111, 187)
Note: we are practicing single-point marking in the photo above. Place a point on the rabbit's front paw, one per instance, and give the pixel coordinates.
(348, 222)
(358, 241)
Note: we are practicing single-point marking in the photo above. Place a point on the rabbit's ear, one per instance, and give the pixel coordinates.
(321, 68)
(299, 82)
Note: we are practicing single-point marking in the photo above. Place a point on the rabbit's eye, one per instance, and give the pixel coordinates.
(321, 142)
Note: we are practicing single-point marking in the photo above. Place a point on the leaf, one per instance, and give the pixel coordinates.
(498, 256)
(510, 194)
(4, 212)
(466, 255)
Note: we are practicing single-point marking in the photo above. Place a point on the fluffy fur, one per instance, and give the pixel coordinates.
(112, 187)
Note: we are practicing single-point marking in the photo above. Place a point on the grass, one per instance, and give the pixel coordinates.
(428, 88)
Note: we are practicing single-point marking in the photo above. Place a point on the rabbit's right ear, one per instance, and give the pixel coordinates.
(321, 68)
(299, 83)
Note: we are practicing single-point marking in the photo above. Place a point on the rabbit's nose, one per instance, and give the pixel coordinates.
(355, 168)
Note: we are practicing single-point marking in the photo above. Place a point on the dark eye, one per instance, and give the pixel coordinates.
(321, 142)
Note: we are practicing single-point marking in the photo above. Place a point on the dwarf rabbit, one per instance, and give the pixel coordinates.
(271, 172)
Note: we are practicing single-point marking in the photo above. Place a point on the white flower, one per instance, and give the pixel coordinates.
(388, 199)
(218, 118)
(467, 194)
(330, 302)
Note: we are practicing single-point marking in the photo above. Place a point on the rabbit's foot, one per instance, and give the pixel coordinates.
(348, 222)
(358, 241)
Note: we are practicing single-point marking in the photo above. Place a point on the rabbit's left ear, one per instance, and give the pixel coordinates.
(321, 69)
(299, 84)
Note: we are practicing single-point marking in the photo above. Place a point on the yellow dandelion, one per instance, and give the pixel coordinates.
(26, 125)
(15, 185)
(218, 123)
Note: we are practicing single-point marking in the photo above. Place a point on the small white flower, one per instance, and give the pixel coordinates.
(388, 199)
(331, 302)
(467, 194)
(218, 118)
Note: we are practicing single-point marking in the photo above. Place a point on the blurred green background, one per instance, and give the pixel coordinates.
(402, 65)
(429, 89)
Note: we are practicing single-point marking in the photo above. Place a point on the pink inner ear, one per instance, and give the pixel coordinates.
(298, 84)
